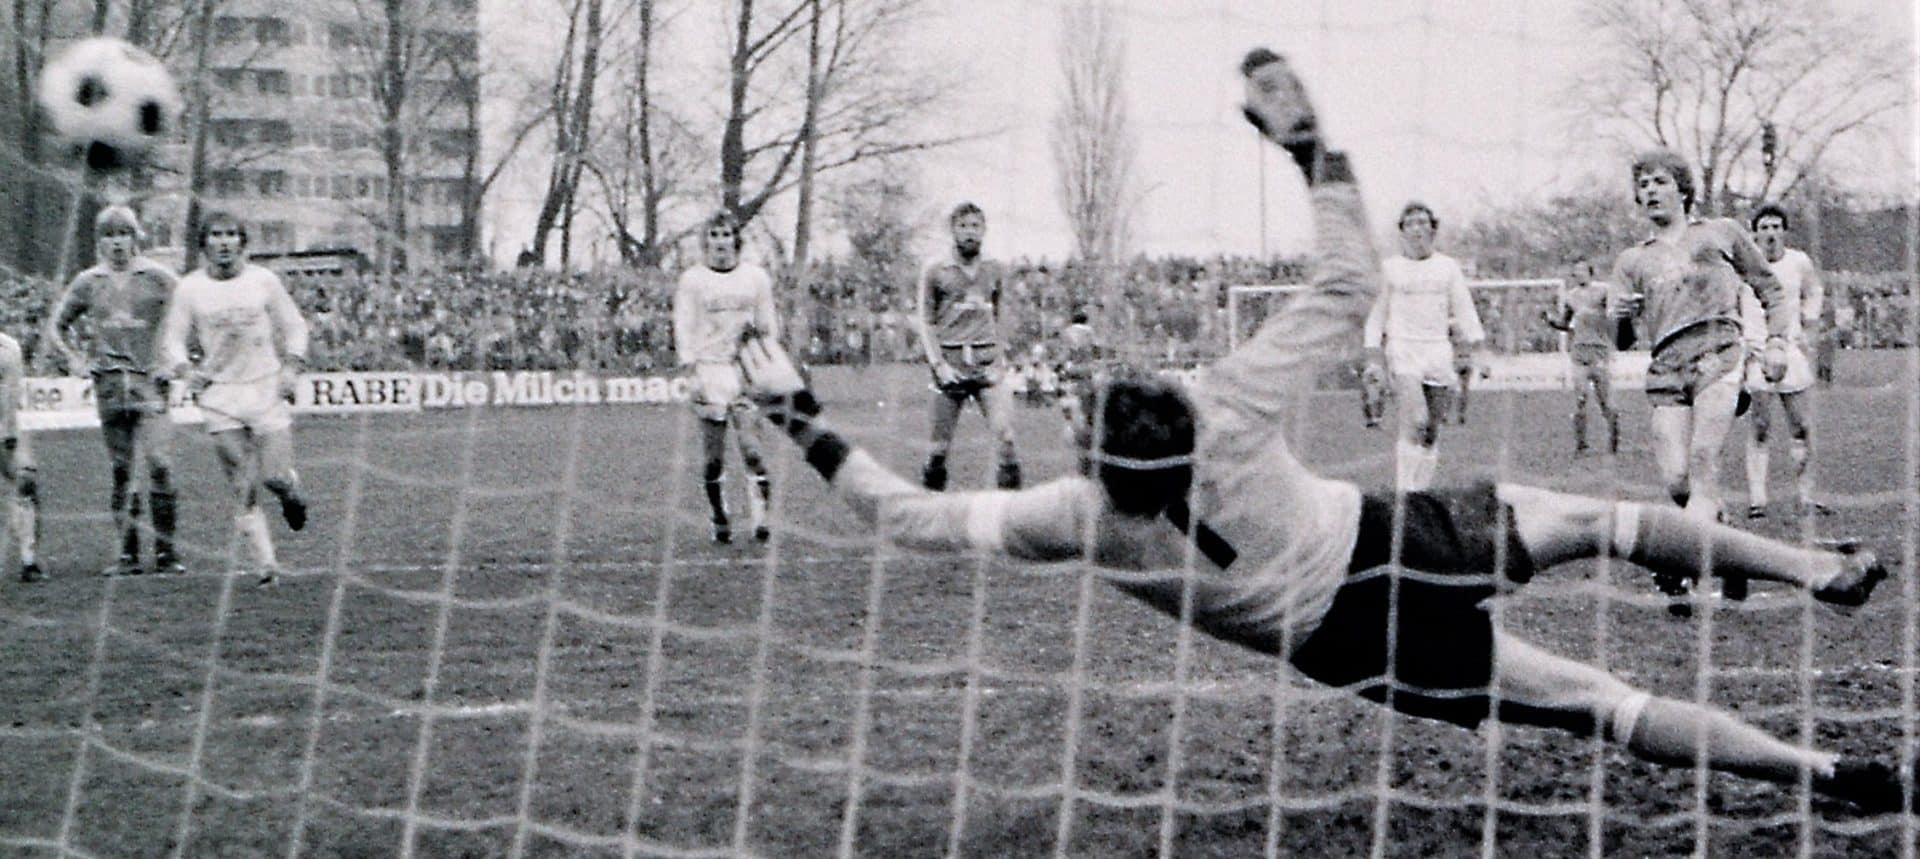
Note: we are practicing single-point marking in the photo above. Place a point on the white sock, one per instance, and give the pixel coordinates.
(1756, 472)
(1798, 451)
(756, 505)
(253, 526)
(1415, 466)
(26, 527)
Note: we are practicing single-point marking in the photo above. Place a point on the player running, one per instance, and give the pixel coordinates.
(253, 346)
(1193, 501)
(1684, 284)
(1800, 283)
(959, 320)
(118, 305)
(1411, 333)
(713, 305)
(16, 461)
(1583, 313)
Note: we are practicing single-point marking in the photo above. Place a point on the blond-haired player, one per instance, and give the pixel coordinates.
(715, 303)
(106, 324)
(253, 345)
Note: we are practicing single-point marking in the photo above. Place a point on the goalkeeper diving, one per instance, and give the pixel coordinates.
(1191, 492)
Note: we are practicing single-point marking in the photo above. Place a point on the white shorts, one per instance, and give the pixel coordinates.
(255, 406)
(717, 390)
(1799, 370)
(1427, 363)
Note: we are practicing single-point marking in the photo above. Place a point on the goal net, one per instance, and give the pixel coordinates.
(509, 630)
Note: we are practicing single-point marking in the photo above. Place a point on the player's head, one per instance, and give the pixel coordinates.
(1580, 271)
(224, 240)
(116, 231)
(1136, 434)
(1662, 185)
(1770, 224)
(969, 226)
(1418, 225)
(720, 241)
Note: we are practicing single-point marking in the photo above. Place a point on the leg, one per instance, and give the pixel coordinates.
(278, 476)
(1800, 449)
(1543, 689)
(996, 403)
(747, 439)
(118, 430)
(1602, 380)
(18, 469)
(1580, 381)
(153, 448)
(713, 448)
(1713, 406)
(946, 416)
(241, 463)
(1414, 460)
(1759, 422)
(1465, 375)
(1672, 434)
(1557, 528)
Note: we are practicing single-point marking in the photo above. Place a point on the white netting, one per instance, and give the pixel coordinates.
(507, 631)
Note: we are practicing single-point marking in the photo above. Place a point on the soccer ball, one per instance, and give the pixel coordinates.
(110, 101)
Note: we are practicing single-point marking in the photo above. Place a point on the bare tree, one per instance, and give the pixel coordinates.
(865, 99)
(1093, 143)
(572, 117)
(1706, 77)
(648, 156)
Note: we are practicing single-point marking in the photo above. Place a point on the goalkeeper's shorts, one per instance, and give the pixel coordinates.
(1432, 603)
(255, 406)
(1799, 370)
(718, 390)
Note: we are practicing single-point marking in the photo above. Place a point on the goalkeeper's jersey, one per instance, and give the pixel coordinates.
(1697, 278)
(1423, 301)
(1799, 288)
(243, 325)
(711, 309)
(119, 313)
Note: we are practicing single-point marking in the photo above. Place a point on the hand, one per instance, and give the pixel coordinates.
(944, 373)
(769, 371)
(1774, 360)
(288, 381)
(1629, 305)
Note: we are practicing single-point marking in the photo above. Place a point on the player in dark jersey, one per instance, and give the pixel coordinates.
(116, 308)
(1582, 313)
(960, 335)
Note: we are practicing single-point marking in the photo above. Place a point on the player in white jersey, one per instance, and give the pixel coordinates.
(16, 461)
(253, 346)
(1800, 278)
(1423, 317)
(714, 303)
(116, 308)
(1192, 501)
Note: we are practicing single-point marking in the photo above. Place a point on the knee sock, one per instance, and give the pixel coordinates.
(160, 499)
(25, 517)
(252, 524)
(716, 495)
(1669, 541)
(1414, 466)
(1757, 461)
(1800, 452)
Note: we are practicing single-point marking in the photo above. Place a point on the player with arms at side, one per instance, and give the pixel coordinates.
(959, 316)
(1411, 333)
(1804, 294)
(253, 346)
(1080, 358)
(16, 461)
(1193, 501)
(119, 305)
(713, 305)
(1583, 314)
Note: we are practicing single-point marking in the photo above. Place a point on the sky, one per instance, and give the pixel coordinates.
(1459, 103)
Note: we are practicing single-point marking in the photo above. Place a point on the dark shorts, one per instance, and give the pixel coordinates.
(1686, 363)
(979, 369)
(125, 396)
(1453, 541)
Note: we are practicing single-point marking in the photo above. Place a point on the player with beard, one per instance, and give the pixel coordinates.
(1191, 499)
(713, 305)
(1804, 293)
(959, 316)
(253, 347)
(117, 307)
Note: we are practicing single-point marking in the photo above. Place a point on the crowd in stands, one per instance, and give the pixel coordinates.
(1168, 310)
